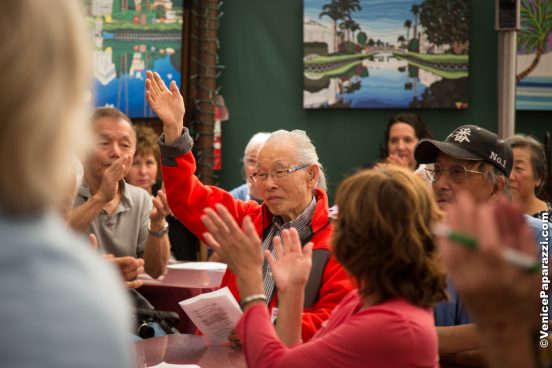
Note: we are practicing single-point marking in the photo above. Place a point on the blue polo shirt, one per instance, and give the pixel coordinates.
(453, 312)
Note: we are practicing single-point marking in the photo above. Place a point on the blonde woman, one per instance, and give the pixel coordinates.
(61, 306)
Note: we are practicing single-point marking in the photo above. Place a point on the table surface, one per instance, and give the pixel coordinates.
(186, 349)
(187, 278)
(176, 285)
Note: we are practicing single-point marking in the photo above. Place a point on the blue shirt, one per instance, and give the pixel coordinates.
(453, 312)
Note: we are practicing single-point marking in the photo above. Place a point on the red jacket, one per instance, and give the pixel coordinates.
(188, 198)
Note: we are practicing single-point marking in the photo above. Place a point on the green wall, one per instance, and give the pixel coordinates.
(261, 48)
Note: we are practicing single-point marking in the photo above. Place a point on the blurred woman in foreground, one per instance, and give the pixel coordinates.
(61, 305)
(382, 237)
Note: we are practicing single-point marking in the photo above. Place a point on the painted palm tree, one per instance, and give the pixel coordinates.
(415, 11)
(349, 6)
(407, 25)
(349, 26)
(333, 11)
(354, 27)
(536, 21)
(401, 39)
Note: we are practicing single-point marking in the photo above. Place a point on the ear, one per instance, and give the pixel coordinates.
(313, 175)
(498, 188)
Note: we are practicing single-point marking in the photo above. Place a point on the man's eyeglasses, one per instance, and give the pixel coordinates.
(456, 173)
(261, 177)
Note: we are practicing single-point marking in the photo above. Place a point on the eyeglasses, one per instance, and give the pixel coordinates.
(456, 173)
(261, 177)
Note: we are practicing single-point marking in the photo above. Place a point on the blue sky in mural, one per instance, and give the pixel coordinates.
(381, 19)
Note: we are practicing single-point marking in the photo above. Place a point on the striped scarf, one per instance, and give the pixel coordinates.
(303, 227)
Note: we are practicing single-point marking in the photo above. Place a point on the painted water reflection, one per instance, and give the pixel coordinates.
(385, 80)
(129, 38)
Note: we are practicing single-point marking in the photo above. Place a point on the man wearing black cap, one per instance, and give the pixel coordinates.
(475, 160)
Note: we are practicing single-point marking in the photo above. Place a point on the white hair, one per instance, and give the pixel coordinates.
(45, 72)
(305, 150)
(256, 142)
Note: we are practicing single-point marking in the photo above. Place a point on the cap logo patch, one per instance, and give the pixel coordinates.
(497, 159)
(462, 135)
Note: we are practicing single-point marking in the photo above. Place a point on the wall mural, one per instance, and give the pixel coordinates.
(130, 37)
(534, 56)
(386, 53)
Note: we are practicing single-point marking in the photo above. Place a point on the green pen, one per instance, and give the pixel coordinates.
(521, 260)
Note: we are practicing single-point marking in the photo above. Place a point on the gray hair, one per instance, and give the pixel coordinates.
(45, 61)
(538, 157)
(494, 175)
(256, 141)
(306, 152)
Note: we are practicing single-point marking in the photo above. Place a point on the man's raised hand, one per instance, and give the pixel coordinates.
(167, 103)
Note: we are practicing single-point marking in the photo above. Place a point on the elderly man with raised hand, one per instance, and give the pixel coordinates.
(474, 160)
(292, 185)
(120, 215)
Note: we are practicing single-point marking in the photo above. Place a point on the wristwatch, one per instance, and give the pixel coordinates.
(159, 233)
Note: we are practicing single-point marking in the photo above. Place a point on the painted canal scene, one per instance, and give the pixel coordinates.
(130, 37)
(386, 54)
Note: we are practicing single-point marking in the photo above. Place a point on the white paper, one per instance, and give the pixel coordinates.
(215, 314)
(198, 266)
(167, 365)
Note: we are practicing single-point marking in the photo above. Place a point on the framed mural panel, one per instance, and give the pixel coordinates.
(386, 54)
(534, 56)
(131, 37)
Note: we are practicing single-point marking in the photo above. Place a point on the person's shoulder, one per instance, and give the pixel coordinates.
(137, 196)
(51, 279)
(538, 225)
(45, 244)
(240, 192)
(135, 192)
(395, 323)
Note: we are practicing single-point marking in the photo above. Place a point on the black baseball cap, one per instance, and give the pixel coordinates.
(468, 142)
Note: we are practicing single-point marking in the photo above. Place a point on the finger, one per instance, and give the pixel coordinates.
(250, 230)
(487, 230)
(526, 241)
(307, 250)
(174, 89)
(465, 216)
(211, 242)
(509, 219)
(271, 260)
(134, 284)
(93, 241)
(217, 226)
(161, 194)
(160, 85)
(285, 241)
(158, 204)
(150, 90)
(213, 235)
(278, 248)
(227, 218)
(295, 241)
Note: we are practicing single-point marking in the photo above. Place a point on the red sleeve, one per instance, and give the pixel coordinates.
(334, 287)
(261, 348)
(188, 197)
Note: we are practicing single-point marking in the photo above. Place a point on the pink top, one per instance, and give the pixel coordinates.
(395, 333)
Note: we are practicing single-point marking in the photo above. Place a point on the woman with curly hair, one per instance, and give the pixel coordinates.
(382, 237)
